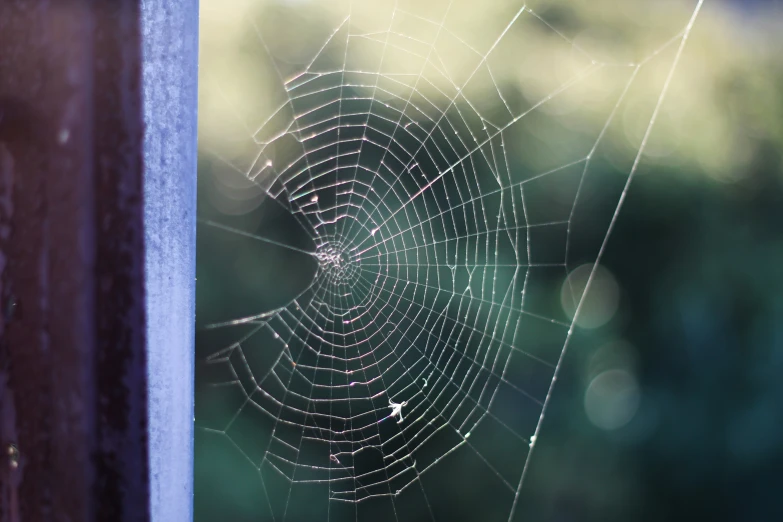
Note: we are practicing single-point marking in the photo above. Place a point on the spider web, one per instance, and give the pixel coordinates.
(424, 331)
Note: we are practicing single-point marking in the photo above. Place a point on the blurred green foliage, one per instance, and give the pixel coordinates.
(696, 254)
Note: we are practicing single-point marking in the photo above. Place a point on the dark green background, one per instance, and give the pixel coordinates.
(700, 267)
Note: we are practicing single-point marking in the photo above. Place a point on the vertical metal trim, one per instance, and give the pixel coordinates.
(170, 29)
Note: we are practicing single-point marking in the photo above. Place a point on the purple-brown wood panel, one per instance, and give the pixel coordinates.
(72, 343)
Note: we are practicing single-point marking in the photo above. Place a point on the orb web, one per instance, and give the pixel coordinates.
(425, 330)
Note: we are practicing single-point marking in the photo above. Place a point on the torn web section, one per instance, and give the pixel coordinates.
(441, 196)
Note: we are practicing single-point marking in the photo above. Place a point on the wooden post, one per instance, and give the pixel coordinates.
(74, 372)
